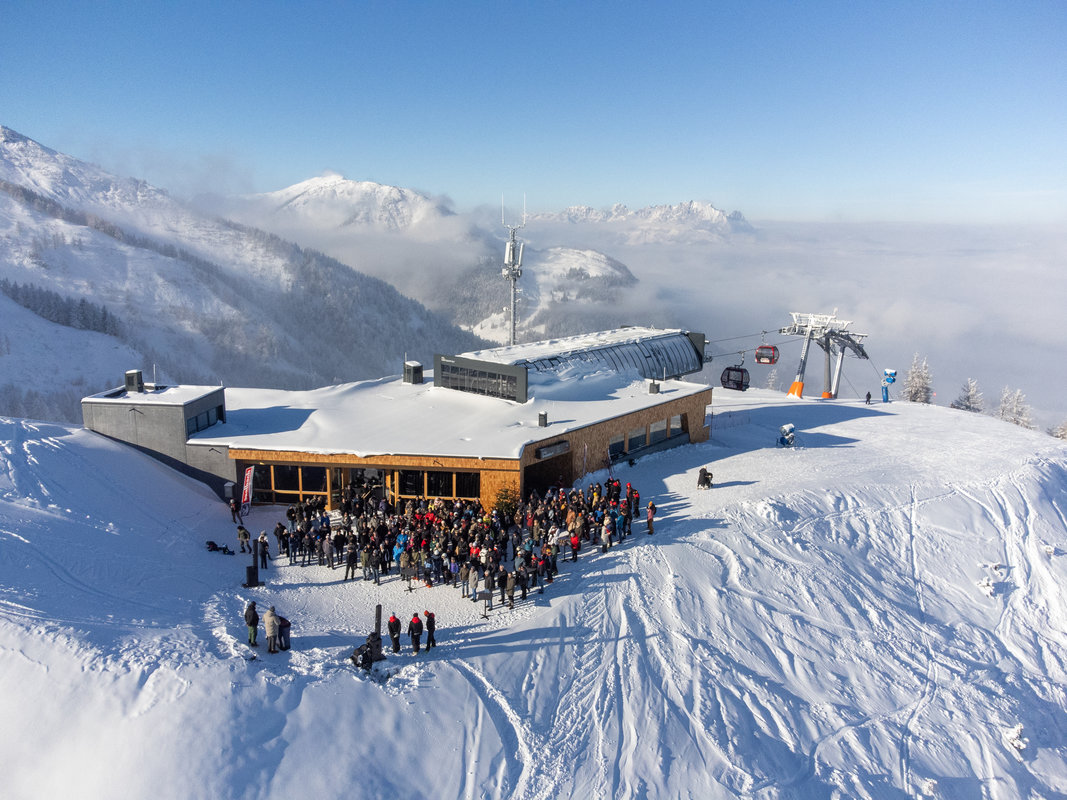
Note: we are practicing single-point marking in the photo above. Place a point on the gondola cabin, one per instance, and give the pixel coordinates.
(766, 354)
(735, 378)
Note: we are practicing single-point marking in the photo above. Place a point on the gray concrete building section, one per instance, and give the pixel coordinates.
(159, 419)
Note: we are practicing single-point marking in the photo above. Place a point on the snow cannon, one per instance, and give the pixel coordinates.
(888, 376)
(787, 435)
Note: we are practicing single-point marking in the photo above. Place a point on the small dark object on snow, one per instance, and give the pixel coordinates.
(212, 547)
(704, 479)
(366, 654)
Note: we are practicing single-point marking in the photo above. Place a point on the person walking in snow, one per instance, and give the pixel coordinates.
(252, 621)
(244, 538)
(270, 627)
(650, 514)
(431, 627)
(394, 632)
(235, 512)
(415, 632)
(868, 401)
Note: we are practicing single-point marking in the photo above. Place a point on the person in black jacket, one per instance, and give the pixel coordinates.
(394, 632)
(252, 621)
(415, 631)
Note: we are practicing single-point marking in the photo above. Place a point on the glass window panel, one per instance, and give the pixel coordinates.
(286, 477)
(657, 431)
(261, 479)
(617, 446)
(635, 439)
(190, 426)
(439, 484)
(411, 482)
(468, 484)
(315, 479)
(676, 425)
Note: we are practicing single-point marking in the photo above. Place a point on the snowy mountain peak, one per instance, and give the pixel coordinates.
(331, 200)
(68, 180)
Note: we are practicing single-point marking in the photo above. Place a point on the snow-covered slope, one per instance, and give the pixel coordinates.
(878, 613)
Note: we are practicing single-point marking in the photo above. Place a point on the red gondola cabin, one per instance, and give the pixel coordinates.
(766, 354)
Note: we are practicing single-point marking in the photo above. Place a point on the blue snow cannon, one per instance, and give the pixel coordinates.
(889, 376)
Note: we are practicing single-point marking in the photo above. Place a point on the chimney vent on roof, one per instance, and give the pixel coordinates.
(134, 381)
(412, 372)
(542, 419)
(653, 387)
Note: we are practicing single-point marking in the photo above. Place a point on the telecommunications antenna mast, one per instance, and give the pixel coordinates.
(512, 259)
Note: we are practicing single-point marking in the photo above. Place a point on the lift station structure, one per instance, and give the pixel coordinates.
(832, 336)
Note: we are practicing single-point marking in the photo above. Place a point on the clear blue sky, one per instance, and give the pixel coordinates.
(919, 111)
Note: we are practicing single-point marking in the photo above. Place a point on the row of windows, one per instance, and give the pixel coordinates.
(427, 483)
(478, 381)
(646, 436)
(287, 483)
(203, 420)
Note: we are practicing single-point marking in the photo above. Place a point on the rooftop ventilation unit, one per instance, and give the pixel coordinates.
(134, 381)
(412, 372)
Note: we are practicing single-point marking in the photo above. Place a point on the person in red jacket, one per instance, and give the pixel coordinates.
(394, 632)
(415, 632)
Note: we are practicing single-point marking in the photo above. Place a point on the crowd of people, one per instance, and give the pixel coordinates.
(457, 542)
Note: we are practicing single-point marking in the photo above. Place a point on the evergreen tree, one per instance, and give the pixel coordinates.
(970, 398)
(772, 379)
(918, 384)
(1060, 431)
(1013, 408)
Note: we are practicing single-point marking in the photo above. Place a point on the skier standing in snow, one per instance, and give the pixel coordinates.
(415, 632)
(252, 621)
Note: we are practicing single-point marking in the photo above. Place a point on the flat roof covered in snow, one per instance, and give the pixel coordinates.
(391, 417)
(154, 395)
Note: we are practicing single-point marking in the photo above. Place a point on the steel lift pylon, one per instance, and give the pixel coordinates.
(831, 335)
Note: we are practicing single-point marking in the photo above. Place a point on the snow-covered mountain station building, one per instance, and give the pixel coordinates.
(523, 417)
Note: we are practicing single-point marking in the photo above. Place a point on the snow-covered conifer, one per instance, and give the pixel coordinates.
(772, 379)
(1013, 408)
(970, 398)
(1060, 431)
(918, 384)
